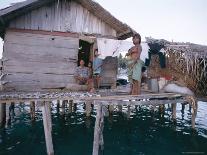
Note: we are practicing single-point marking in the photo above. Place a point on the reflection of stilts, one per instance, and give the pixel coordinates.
(109, 101)
(192, 103)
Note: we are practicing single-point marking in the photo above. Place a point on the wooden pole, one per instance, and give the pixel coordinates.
(2, 114)
(193, 119)
(183, 108)
(174, 111)
(111, 108)
(74, 107)
(120, 108)
(58, 106)
(88, 108)
(63, 107)
(8, 117)
(47, 122)
(128, 112)
(98, 142)
(194, 114)
(32, 110)
(70, 108)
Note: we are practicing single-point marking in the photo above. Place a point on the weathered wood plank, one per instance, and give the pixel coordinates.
(21, 77)
(13, 50)
(41, 40)
(69, 16)
(59, 68)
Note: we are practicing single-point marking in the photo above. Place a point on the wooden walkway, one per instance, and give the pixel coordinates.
(109, 101)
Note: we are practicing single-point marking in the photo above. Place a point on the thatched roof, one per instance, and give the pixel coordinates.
(9, 13)
(189, 49)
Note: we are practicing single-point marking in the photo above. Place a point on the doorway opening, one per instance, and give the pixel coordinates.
(84, 51)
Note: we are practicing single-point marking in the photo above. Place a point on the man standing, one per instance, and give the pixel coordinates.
(97, 64)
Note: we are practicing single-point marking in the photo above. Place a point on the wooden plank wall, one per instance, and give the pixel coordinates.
(36, 61)
(68, 16)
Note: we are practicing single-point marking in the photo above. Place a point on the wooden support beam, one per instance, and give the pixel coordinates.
(62, 103)
(32, 110)
(194, 114)
(128, 112)
(183, 108)
(2, 114)
(161, 108)
(8, 117)
(111, 109)
(88, 108)
(74, 107)
(98, 142)
(47, 127)
(193, 119)
(70, 108)
(119, 108)
(58, 106)
(174, 111)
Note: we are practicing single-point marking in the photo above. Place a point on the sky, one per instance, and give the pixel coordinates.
(173, 20)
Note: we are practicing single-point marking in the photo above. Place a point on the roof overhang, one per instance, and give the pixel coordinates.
(18, 9)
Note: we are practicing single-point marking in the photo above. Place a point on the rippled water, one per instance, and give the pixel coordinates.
(145, 132)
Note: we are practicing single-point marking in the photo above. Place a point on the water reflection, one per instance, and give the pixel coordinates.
(134, 130)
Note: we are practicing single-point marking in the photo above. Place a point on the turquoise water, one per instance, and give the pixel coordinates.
(146, 132)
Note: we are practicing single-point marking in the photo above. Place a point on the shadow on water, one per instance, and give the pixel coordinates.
(146, 131)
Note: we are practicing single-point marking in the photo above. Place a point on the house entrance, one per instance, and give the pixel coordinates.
(84, 51)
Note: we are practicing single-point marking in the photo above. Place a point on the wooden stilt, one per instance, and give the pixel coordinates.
(74, 107)
(128, 112)
(88, 108)
(120, 108)
(70, 108)
(58, 106)
(62, 107)
(174, 111)
(190, 107)
(194, 114)
(161, 108)
(2, 114)
(193, 119)
(8, 117)
(183, 107)
(98, 142)
(47, 127)
(32, 110)
(111, 109)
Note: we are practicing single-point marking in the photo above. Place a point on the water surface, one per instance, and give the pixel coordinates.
(145, 132)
